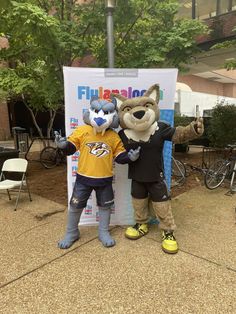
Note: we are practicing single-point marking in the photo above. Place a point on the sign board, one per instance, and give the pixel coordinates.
(83, 83)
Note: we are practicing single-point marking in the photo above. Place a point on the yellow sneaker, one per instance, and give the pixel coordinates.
(137, 231)
(169, 243)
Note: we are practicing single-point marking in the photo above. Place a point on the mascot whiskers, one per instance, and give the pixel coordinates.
(98, 145)
(139, 119)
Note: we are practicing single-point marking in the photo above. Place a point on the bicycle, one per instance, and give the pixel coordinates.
(198, 169)
(178, 175)
(51, 157)
(222, 169)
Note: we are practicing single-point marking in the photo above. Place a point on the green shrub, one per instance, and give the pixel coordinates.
(181, 120)
(222, 128)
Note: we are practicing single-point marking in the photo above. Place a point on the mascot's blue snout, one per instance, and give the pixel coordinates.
(100, 121)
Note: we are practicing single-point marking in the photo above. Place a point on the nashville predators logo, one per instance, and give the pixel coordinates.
(98, 149)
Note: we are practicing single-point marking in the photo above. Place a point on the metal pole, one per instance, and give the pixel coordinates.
(218, 7)
(230, 5)
(193, 9)
(110, 37)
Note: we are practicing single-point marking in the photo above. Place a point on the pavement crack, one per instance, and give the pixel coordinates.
(200, 257)
(49, 262)
(42, 216)
(38, 226)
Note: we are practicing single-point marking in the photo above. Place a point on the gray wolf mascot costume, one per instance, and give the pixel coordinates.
(98, 145)
(139, 119)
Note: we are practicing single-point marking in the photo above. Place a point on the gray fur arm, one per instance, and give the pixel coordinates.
(186, 133)
(68, 149)
(61, 142)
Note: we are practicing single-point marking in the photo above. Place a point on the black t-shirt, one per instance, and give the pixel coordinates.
(149, 167)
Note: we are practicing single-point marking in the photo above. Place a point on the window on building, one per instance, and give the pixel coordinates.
(204, 9)
(185, 8)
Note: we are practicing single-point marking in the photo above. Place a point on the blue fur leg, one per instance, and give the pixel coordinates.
(103, 232)
(72, 231)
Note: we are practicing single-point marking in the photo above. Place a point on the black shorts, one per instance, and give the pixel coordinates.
(82, 192)
(157, 191)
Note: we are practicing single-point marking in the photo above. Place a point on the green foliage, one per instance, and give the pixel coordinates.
(229, 64)
(40, 43)
(150, 35)
(222, 128)
(44, 36)
(182, 120)
(31, 56)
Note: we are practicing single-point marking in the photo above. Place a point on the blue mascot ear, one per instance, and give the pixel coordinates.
(114, 101)
(93, 98)
(115, 122)
(86, 116)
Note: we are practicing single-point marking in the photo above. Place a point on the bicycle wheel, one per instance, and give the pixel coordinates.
(178, 172)
(48, 157)
(232, 183)
(62, 158)
(216, 174)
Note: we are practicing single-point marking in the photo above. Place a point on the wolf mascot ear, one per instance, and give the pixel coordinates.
(153, 92)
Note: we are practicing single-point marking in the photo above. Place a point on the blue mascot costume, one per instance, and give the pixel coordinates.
(98, 145)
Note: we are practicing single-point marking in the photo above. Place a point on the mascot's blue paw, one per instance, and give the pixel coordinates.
(67, 242)
(103, 232)
(106, 239)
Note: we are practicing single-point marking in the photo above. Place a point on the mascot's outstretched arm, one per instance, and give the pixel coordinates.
(186, 133)
(62, 143)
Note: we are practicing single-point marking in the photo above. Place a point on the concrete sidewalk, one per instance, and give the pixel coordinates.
(133, 276)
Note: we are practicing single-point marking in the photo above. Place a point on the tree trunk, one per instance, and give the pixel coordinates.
(35, 121)
(50, 122)
(52, 114)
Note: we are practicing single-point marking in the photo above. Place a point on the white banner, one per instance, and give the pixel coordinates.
(83, 83)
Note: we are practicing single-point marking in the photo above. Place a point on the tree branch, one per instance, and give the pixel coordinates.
(89, 24)
(62, 9)
(43, 5)
(52, 113)
(33, 116)
(130, 28)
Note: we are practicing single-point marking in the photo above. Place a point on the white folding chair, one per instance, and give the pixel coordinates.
(18, 166)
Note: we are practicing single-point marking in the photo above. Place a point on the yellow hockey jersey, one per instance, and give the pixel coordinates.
(96, 151)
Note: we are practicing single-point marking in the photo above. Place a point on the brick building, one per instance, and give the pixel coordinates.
(4, 114)
(207, 75)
